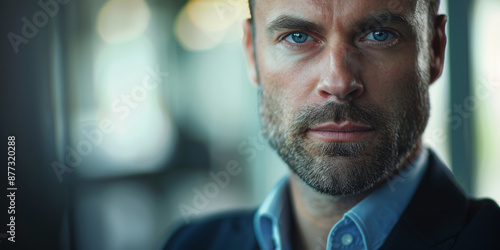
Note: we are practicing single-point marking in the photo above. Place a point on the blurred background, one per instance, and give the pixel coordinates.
(132, 117)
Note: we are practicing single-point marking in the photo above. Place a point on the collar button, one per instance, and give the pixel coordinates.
(347, 239)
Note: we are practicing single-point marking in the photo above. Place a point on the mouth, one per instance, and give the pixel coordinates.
(346, 131)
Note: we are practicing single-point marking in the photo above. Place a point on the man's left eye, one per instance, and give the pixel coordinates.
(298, 37)
(380, 35)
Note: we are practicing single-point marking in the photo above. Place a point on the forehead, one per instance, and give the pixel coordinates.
(337, 11)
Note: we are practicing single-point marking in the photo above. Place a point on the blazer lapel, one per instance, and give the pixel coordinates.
(434, 216)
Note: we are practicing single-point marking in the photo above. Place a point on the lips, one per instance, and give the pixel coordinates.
(346, 131)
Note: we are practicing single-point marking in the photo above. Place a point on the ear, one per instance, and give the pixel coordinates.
(249, 51)
(438, 47)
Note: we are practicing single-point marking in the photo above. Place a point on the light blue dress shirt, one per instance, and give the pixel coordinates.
(365, 226)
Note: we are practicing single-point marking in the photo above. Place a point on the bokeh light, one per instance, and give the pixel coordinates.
(202, 25)
(123, 20)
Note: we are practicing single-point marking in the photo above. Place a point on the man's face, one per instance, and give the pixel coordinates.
(343, 87)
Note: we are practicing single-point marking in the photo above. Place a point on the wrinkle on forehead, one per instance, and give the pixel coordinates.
(339, 12)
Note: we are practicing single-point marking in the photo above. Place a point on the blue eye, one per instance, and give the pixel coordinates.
(380, 35)
(298, 37)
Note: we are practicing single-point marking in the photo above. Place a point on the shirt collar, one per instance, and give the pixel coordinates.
(374, 217)
(272, 219)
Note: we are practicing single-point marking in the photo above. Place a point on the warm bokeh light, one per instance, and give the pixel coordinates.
(192, 38)
(124, 110)
(123, 20)
(202, 25)
(214, 15)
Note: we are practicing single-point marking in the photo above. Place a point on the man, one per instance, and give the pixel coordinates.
(343, 89)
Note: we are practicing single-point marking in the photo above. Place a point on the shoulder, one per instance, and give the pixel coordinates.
(482, 226)
(232, 230)
(441, 216)
(479, 219)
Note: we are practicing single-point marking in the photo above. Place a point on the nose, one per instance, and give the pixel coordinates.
(339, 78)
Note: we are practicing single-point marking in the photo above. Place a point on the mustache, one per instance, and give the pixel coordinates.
(331, 111)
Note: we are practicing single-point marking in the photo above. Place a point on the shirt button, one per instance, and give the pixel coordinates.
(346, 239)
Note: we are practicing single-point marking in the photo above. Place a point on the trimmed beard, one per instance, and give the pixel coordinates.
(346, 168)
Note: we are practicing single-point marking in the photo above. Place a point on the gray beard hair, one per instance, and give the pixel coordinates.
(346, 168)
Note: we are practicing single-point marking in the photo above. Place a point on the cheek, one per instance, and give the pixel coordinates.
(389, 84)
(290, 83)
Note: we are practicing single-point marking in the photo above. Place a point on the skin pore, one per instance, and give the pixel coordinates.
(343, 88)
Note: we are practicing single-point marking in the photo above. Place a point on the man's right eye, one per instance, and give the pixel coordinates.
(298, 37)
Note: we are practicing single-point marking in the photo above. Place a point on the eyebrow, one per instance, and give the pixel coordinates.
(381, 18)
(288, 22)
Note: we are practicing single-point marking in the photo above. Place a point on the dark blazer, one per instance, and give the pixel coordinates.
(439, 216)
